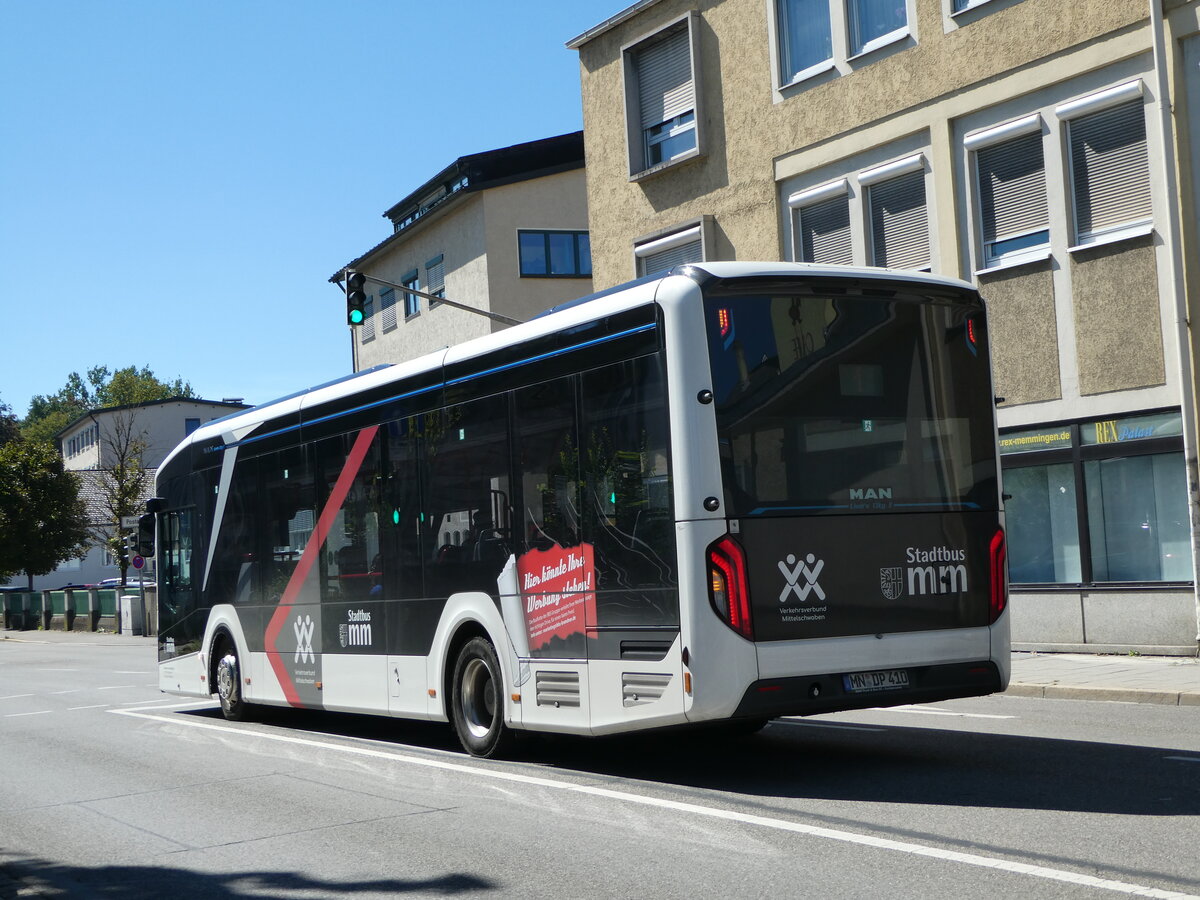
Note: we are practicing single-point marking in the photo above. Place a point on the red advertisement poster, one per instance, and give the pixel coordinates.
(558, 593)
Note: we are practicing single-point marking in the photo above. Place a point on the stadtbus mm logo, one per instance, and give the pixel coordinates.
(937, 570)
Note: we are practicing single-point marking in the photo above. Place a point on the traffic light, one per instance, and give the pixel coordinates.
(128, 548)
(356, 298)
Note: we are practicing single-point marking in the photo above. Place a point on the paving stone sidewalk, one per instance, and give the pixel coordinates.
(1165, 680)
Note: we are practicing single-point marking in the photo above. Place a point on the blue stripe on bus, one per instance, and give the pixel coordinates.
(522, 362)
(552, 353)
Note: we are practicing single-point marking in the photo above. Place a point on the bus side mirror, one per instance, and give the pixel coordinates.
(145, 535)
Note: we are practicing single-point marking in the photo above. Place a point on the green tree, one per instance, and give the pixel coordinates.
(50, 413)
(43, 520)
(10, 430)
(123, 482)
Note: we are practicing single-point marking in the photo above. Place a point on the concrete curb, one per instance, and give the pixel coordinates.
(1119, 695)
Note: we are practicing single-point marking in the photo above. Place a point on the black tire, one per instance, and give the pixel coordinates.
(477, 700)
(228, 683)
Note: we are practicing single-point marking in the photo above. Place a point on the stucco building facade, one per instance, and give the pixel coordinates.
(503, 231)
(1042, 150)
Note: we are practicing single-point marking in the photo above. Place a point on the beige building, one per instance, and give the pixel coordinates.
(1043, 150)
(504, 232)
(103, 439)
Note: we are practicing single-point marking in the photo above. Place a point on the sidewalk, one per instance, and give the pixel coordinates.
(1165, 680)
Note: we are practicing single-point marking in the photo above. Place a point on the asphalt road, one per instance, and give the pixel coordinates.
(108, 788)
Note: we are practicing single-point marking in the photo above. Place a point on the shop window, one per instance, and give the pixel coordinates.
(1098, 502)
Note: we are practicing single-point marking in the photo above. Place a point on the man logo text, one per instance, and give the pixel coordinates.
(883, 493)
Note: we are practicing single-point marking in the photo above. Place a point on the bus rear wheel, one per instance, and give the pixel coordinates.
(477, 700)
(229, 684)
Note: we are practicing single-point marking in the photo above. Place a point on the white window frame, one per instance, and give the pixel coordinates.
(1073, 110)
(845, 57)
(637, 139)
(411, 282)
(436, 286)
(681, 236)
(856, 186)
(807, 199)
(1053, 120)
(889, 172)
(993, 136)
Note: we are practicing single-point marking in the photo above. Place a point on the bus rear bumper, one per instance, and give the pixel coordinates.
(808, 695)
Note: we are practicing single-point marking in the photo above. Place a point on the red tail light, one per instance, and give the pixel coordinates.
(998, 557)
(728, 588)
(724, 321)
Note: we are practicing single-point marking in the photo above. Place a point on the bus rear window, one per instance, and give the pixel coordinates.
(837, 404)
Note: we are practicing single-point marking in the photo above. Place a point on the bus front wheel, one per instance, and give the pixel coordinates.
(477, 700)
(229, 684)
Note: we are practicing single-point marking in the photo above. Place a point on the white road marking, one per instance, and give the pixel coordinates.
(40, 712)
(72, 691)
(933, 711)
(134, 672)
(15, 696)
(94, 706)
(116, 687)
(848, 837)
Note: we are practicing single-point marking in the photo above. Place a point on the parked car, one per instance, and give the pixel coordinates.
(130, 582)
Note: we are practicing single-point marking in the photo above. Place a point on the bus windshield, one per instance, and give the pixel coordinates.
(837, 401)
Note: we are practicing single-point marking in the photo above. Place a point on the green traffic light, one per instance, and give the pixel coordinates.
(356, 316)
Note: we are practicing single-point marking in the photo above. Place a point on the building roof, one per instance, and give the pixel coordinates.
(477, 172)
(91, 490)
(230, 405)
(608, 24)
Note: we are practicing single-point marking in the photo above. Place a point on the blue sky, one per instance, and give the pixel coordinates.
(178, 178)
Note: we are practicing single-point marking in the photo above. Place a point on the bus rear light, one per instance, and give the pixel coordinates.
(729, 590)
(997, 559)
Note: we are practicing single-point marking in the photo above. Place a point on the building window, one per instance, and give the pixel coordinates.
(679, 248)
(190, 425)
(1098, 502)
(876, 216)
(367, 329)
(875, 22)
(435, 278)
(387, 309)
(1010, 180)
(555, 254)
(412, 302)
(815, 36)
(1109, 164)
(821, 225)
(899, 224)
(661, 100)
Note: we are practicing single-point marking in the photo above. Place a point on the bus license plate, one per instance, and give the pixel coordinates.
(887, 680)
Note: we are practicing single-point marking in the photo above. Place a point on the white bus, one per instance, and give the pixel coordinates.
(726, 492)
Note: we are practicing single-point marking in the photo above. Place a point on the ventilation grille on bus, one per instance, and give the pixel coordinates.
(557, 689)
(639, 688)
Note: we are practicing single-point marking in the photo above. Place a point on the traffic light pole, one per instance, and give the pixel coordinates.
(495, 317)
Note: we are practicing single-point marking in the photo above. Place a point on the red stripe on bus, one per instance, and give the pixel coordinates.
(316, 542)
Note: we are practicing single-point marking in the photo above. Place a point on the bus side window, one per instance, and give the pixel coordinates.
(288, 508)
(627, 502)
(468, 476)
(352, 564)
(235, 564)
(547, 448)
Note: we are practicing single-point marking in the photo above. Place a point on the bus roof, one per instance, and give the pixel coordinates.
(616, 299)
